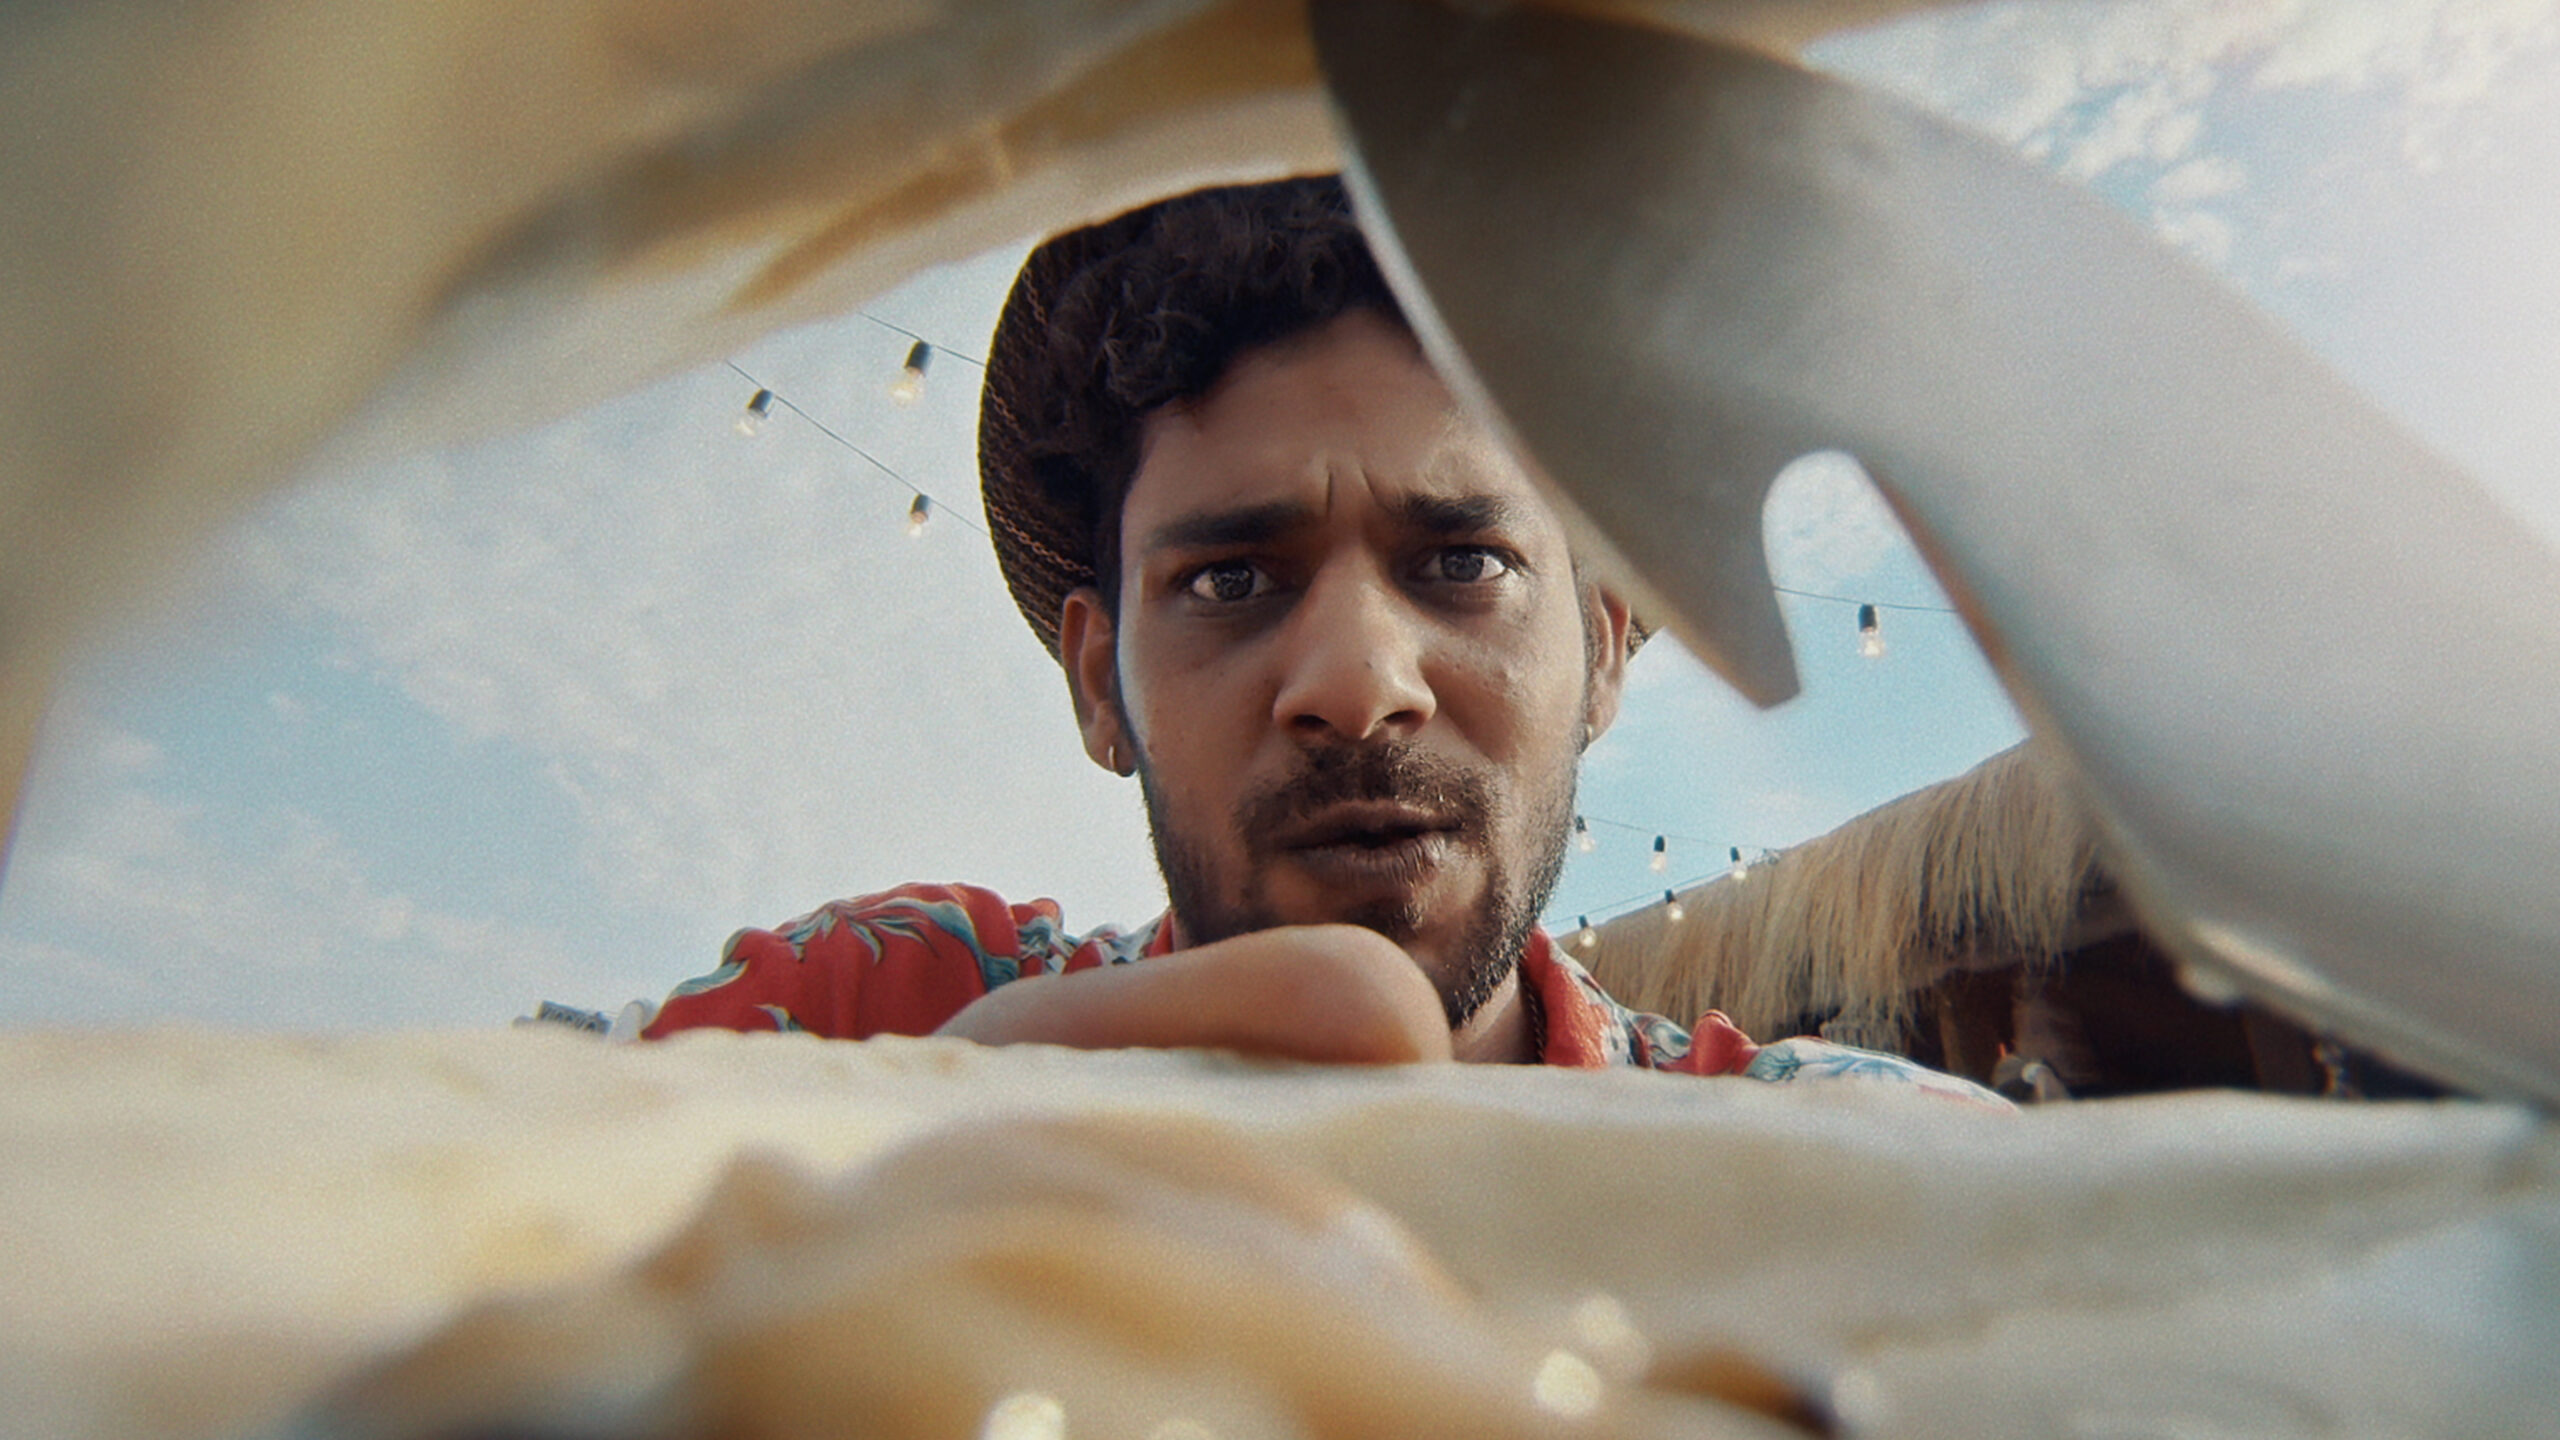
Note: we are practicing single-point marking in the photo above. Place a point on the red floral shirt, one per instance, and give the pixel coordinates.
(903, 961)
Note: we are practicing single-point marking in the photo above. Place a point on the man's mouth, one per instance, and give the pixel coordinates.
(1369, 849)
(1354, 829)
(1368, 825)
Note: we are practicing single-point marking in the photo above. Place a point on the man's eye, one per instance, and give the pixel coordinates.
(1467, 565)
(1228, 581)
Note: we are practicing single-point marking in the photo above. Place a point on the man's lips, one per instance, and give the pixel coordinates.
(1361, 851)
(1370, 825)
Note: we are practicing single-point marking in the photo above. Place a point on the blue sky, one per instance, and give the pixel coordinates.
(426, 741)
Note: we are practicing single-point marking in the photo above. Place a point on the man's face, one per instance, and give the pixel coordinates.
(1351, 660)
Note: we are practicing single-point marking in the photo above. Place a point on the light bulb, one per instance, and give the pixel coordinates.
(759, 408)
(1870, 632)
(910, 382)
(1741, 867)
(1583, 839)
(918, 513)
(1661, 853)
(1671, 908)
(1586, 937)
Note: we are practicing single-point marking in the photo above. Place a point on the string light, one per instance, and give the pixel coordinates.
(767, 400)
(1583, 839)
(1661, 853)
(1870, 615)
(1865, 604)
(1649, 833)
(1674, 910)
(910, 383)
(938, 349)
(1744, 859)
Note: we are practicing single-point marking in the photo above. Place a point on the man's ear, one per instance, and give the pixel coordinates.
(1088, 643)
(1608, 617)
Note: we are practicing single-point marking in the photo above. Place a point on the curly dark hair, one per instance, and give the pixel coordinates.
(1108, 324)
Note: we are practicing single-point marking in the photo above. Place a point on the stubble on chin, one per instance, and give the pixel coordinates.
(1487, 947)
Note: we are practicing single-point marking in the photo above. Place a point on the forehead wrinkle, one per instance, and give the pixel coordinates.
(1460, 464)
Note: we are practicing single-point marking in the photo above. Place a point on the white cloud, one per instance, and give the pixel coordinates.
(758, 690)
(1826, 525)
(1787, 814)
(2201, 233)
(2437, 60)
(46, 984)
(121, 751)
(2156, 123)
(2113, 91)
(125, 904)
(2197, 181)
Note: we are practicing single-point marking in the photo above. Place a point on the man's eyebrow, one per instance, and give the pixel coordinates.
(1443, 516)
(1223, 529)
(1454, 515)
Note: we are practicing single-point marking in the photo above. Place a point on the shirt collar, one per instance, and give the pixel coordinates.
(1585, 1029)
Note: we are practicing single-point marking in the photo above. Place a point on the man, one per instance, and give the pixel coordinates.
(1338, 638)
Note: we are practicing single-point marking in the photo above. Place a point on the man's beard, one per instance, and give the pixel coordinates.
(1489, 945)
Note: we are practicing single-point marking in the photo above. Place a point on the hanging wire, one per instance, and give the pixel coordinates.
(1622, 907)
(938, 347)
(1586, 819)
(1744, 859)
(1877, 604)
(774, 398)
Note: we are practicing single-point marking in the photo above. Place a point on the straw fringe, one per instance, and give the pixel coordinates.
(1989, 867)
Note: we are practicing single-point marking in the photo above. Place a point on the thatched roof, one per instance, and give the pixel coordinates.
(1996, 866)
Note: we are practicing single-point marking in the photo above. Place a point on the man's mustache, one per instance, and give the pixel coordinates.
(1393, 771)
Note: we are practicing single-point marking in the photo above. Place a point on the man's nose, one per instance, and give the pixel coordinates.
(1355, 659)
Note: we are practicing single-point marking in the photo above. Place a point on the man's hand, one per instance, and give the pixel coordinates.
(1335, 994)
